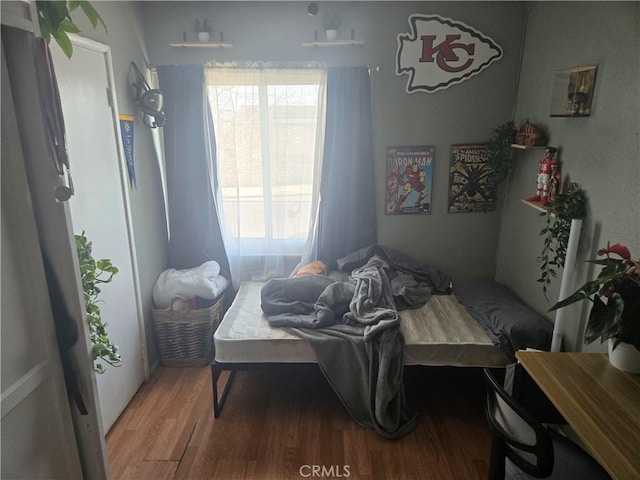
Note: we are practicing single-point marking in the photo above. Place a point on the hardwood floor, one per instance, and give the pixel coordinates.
(288, 424)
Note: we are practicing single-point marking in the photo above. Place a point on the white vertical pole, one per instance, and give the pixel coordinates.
(565, 283)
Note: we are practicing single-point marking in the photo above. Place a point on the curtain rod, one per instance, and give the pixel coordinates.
(372, 68)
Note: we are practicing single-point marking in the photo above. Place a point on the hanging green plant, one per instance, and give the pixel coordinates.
(201, 25)
(499, 155)
(55, 21)
(94, 273)
(558, 213)
(331, 21)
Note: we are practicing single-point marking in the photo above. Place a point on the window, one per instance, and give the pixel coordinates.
(267, 125)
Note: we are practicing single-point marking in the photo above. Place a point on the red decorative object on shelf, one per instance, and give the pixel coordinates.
(549, 180)
(530, 134)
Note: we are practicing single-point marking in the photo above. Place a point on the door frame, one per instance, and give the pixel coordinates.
(52, 221)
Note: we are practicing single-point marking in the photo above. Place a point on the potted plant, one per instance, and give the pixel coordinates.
(618, 319)
(94, 273)
(559, 213)
(55, 21)
(499, 155)
(202, 27)
(330, 23)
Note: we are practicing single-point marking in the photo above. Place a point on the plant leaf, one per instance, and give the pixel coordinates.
(583, 292)
(68, 26)
(92, 14)
(599, 321)
(63, 41)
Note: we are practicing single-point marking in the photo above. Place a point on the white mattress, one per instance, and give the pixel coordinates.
(441, 332)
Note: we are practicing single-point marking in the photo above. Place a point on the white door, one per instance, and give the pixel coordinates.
(38, 439)
(100, 208)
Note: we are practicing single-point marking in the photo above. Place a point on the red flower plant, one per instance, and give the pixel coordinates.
(619, 283)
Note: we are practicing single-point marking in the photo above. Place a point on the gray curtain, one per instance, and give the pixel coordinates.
(192, 190)
(347, 212)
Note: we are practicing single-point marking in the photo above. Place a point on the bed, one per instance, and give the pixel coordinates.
(481, 324)
(441, 332)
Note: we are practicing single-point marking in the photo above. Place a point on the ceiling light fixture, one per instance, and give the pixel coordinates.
(312, 9)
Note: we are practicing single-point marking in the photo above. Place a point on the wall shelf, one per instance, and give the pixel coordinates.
(526, 147)
(201, 44)
(537, 205)
(334, 43)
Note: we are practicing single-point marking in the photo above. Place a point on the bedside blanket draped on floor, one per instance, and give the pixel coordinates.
(354, 330)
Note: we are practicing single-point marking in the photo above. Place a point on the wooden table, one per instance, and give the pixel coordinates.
(600, 402)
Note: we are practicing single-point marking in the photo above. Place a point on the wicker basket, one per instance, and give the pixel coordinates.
(185, 337)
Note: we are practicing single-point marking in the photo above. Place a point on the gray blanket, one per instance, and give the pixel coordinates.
(354, 330)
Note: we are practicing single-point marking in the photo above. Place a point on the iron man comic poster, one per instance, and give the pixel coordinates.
(409, 179)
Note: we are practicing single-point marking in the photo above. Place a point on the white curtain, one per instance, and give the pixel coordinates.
(269, 127)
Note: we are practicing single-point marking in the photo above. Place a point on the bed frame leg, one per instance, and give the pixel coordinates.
(215, 376)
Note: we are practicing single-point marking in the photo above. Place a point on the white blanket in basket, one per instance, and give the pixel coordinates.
(204, 281)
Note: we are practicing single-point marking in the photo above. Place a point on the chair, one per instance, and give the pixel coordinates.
(530, 396)
(523, 448)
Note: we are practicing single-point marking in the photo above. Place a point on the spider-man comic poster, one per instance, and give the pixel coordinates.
(409, 179)
(468, 188)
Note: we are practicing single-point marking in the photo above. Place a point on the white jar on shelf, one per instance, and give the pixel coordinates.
(331, 34)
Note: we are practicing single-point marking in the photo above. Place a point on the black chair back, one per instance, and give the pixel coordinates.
(516, 435)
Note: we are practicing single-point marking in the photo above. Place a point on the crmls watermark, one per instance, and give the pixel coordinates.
(324, 471)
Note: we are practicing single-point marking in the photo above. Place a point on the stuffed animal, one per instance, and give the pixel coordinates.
(313, 268)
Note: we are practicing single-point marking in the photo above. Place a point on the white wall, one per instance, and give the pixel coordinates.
(460, 244)
(600, 152)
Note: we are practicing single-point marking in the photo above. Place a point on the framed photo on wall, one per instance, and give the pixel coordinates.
(409, 180)
(573, 91)
(469, 190)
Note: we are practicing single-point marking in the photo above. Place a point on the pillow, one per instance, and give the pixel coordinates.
(313, 268)
(507, 320)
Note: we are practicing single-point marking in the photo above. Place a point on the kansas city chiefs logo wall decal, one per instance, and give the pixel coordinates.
(440, 52)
